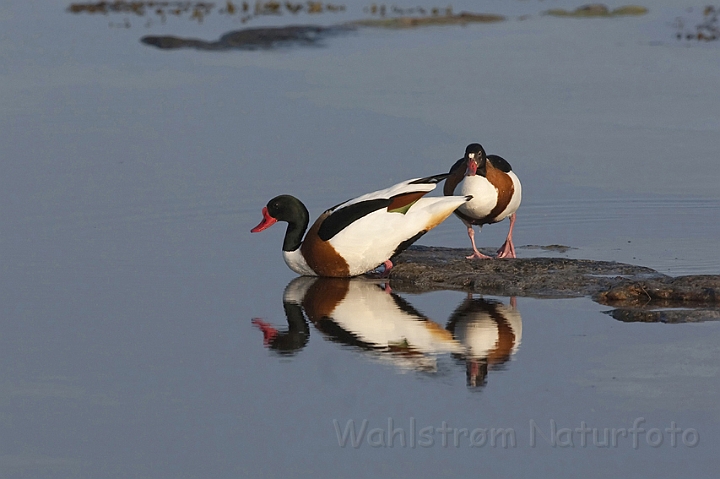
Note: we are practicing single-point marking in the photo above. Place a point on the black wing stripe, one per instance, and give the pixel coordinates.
(407, 243)
(429, 179)
(343, 217)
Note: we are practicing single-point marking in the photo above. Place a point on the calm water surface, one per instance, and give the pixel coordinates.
(146, 333)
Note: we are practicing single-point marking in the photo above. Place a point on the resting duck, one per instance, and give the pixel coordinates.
(496, 193)
(360, 234)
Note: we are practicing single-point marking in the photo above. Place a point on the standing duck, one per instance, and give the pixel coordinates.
(360, 234)
(496, 193)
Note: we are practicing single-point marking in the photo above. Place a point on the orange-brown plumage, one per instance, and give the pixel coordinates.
(320, 255)
(496, 192)
(360, 234)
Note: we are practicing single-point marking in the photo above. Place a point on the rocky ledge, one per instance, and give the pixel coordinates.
(639, 293)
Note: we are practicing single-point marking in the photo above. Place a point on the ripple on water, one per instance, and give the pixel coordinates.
(675, 236)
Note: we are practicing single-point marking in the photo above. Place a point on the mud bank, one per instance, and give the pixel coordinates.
(265, 38)
(639, 293)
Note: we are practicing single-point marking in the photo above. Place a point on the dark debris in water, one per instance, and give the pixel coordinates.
(595, 10)
(551, 247)
(304, 35)
(707, 30)
(411, 22)
(250, 38)
(638, 293)
(198, 10)
(390, 16)
(381, 16)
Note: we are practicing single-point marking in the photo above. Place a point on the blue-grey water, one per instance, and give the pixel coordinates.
(130, 178)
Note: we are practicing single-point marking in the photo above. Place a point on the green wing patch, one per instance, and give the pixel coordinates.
(402, 203)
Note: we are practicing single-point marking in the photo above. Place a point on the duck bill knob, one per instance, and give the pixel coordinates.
(266, 222)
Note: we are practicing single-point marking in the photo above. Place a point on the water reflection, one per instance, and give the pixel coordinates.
(482, 334)
(491, 333)
(668, 313)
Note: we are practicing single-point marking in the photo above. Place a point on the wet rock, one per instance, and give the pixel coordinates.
(422, 268)
(639, 294)
(683, 289)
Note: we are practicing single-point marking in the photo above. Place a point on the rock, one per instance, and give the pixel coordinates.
(422, 268)
(639, 294)
(683, 289)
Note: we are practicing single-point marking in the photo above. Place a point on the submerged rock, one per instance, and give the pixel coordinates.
(652, 314)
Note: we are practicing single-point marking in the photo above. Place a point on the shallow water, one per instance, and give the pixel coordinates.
(132, 176)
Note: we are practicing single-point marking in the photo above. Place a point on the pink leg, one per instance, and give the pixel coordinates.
(476, 253)
(388, 266)
(507, 250)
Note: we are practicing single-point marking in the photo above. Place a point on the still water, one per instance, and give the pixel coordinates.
(146, 333)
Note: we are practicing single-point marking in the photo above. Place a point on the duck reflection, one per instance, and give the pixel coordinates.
(363, 314)
(367, 315)
(490, 331)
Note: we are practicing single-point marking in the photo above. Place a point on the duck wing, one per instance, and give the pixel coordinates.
(500, 163)
(396, 199)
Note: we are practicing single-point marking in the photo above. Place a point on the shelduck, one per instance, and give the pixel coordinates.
(363, 314)
(491, 333)
(360, 234)
(496, 193)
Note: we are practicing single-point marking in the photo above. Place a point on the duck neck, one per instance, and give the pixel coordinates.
(296, 228)
(298, 333)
